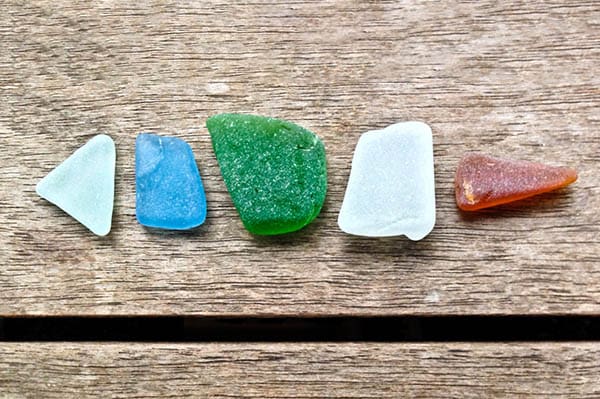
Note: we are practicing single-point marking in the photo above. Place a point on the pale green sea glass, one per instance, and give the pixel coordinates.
(83, 185)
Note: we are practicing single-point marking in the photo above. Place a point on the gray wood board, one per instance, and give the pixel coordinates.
(453, 370)
(515, 79)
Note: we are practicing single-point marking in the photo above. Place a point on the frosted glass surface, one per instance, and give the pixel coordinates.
(391, 189)
(83, 185)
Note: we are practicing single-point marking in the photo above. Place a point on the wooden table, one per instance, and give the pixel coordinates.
(508, 78)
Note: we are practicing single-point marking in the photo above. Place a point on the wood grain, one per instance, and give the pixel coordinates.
(515, 78)
(82, 370)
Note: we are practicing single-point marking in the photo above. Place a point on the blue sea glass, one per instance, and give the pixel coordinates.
(169, 190)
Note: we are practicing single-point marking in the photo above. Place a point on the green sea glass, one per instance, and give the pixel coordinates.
(274, 170)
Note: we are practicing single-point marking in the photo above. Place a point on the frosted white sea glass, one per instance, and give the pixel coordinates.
(391, 189)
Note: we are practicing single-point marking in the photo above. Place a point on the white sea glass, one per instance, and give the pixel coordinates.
(391, 189)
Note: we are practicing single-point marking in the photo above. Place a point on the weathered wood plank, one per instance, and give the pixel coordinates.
(456, 370)
(513, 78)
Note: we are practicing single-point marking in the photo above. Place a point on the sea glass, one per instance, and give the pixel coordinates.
(83, 185)
(274, 170)
(483, 181)
(169, 191)
(391, 188)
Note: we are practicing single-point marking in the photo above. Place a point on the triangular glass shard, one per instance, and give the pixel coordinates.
(83, 185)
(483, 181)
(169, 190)
(391, 186)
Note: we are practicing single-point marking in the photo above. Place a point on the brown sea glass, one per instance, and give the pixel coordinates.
(482, 181)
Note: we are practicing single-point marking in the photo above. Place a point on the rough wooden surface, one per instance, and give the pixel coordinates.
(509, 78)
(85, 370)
